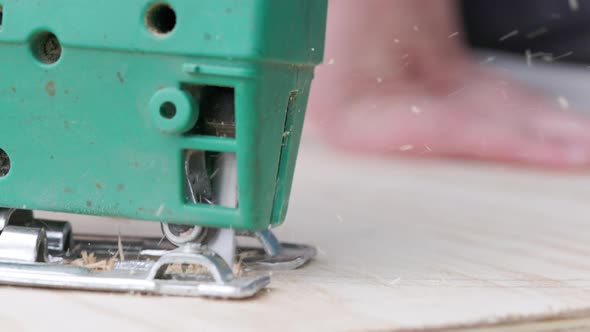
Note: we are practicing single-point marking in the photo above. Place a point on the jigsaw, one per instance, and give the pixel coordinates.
(187, 113)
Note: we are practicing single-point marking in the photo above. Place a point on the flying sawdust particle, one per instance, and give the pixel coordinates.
(508, 35)
(536, 33)
(529, 58)
(120, 245)
(563, 102)
(406, 147)
(487, 60)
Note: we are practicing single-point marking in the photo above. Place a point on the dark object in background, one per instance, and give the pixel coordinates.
(558, 27)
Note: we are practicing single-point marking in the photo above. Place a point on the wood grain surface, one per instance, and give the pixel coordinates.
(403, 245)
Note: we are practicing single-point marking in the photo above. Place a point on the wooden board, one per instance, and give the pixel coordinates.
(403, 244)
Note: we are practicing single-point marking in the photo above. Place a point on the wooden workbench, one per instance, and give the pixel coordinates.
(403, 244)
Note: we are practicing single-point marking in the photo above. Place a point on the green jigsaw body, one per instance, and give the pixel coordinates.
(88, 132)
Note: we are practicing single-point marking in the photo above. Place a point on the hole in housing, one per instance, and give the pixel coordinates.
(45, 47)
(211, 178)
(168, 110)
(1, 16)
(160, 19)
(4, 163)
(216, 110)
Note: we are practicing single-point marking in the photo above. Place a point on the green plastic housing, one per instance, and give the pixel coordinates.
(79, 132)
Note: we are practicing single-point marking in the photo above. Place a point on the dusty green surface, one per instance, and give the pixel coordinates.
(77, 79)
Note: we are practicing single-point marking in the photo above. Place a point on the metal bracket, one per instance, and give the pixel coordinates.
(24, 261)
(150, 277)
(36, 253)
(273, 255)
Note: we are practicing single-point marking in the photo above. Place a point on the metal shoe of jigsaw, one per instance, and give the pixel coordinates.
(183, 112)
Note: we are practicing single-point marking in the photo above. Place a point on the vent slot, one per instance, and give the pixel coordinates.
(216, 110)
(210, 178)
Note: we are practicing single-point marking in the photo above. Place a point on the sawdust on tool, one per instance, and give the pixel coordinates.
(120, 246)
(88, 260)
(238, 267)
(186, 269)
